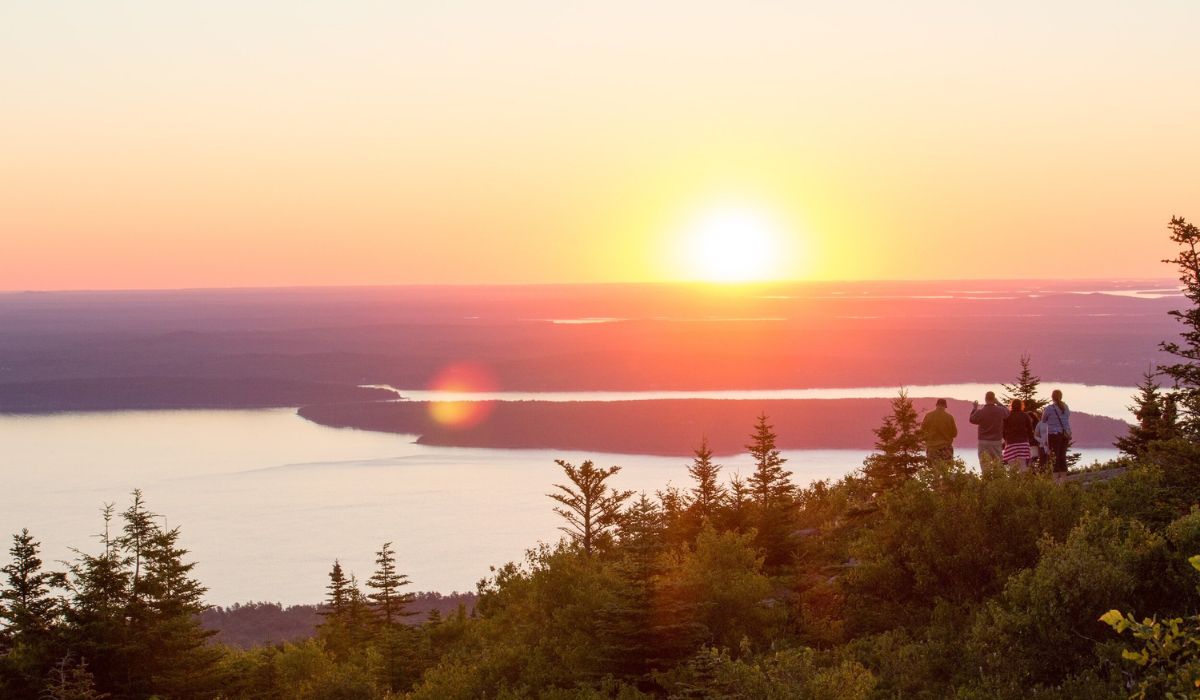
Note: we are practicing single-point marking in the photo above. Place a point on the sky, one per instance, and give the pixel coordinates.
(271, 143)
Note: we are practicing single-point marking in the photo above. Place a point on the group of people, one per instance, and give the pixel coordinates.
(1018, 435)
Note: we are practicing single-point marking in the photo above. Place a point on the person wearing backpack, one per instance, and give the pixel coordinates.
(1057, 418)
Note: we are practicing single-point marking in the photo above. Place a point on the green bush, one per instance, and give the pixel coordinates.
(950, 535)
(1042, 628)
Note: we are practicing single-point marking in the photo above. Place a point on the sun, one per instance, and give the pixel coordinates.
(733, 244)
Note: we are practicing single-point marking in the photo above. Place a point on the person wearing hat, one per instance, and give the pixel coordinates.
(939, 430)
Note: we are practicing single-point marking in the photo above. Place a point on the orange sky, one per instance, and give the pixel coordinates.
(149, 144)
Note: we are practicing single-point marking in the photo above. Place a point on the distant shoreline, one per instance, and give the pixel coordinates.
(666, 427)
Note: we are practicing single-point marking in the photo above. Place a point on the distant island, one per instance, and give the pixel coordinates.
(663, 427)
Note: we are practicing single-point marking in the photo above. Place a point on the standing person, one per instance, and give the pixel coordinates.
(1057, 418)
(939, 430)
(1038, 448)
(990, 419)
(1018, 433)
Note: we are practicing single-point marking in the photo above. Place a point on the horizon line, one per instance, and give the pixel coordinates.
(517, 285)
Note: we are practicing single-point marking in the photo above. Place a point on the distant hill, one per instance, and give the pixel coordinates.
(665, 427)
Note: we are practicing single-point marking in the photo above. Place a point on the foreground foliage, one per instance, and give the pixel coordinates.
(949, 584)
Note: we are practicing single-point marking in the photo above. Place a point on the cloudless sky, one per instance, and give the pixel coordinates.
(183, 144)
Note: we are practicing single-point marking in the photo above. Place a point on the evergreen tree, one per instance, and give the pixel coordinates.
(673, 503)
(337, 600)
(1185, 373)
(640, 630)
(389, 602)
(1025, 389)
(350, 621)
(590, 507)
(360, 618)
(738, 504)
(26, 606)
(96, 616)
(708, 494)
(394, 642)
(134, 613)
(138, 531)
(28, 619)
(175, 646)
(641, 525)
(898, 446)
(1154, 421)
(773, 492)
(770, 483)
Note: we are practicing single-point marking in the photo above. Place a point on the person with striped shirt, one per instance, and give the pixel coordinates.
(1018, 432)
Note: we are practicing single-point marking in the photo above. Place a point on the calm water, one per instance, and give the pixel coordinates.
(267, 500)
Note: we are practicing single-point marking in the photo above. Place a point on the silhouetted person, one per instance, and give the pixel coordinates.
(990, 419)
(1056, 416)
(939, 430)
(1038, 448)
(1018, 432)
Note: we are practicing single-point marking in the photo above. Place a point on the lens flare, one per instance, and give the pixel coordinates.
(461, 378)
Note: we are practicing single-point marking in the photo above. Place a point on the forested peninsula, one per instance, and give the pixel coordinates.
(662, 427)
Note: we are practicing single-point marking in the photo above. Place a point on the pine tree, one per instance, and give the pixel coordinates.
(898, 446)
(708, 494)
(360, 618)
(737, 510)
(1185, 374)
(1025, 389)
(29, 617)
(770, 483)
(641, 525)
(174, 637)
(96, 616)
(134, 613)
(590, 508)
(1154, 421)
(137, 532)
(26, 606)
(336, 602)
(637, 630)
(389, 602)
(773, 493)
(390, 605)
(335, 629)
(673, 503)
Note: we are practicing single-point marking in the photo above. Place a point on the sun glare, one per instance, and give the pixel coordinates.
(733, 244)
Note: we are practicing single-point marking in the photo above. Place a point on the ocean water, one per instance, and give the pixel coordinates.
(267, 500)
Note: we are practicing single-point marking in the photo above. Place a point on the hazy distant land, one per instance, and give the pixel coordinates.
(315, 347)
